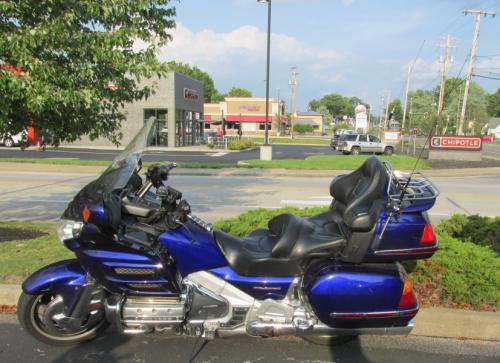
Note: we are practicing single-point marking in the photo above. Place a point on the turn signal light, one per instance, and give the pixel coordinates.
(86, 214)
(428, 235)
(408, 298)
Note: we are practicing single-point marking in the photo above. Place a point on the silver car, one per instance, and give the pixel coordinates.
(363, 143)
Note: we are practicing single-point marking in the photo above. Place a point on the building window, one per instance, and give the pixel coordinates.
(262, 126)
(160, 135)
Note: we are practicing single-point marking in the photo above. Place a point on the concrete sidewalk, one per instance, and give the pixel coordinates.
(430, 322)
(257, 172)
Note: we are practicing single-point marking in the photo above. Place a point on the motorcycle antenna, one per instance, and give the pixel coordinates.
(434, 124)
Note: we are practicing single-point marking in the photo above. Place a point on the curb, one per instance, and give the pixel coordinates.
(257, 172)
(429, 322)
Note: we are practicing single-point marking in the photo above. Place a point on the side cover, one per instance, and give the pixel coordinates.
(360, 296)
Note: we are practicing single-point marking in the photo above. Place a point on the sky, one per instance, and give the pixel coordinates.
(353, 47)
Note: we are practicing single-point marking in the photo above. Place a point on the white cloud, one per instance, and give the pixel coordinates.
(236, 57)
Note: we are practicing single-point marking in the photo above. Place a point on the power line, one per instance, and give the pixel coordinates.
(487, 77)
(488, 56)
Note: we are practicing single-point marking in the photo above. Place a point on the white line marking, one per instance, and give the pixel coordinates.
(219, 154)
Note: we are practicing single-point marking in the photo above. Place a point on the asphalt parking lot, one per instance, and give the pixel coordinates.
(180, 155)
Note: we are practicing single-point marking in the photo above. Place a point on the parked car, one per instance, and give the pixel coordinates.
(489, 138)
(338, 133)
(363, 143)
(12, 140)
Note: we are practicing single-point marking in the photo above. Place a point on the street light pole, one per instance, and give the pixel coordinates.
(268, 152)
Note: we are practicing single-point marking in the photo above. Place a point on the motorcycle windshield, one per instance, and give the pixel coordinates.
(114, 178)
(118, 174)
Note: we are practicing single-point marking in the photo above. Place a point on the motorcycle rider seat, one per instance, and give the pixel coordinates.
(344, 232)
(279, 250)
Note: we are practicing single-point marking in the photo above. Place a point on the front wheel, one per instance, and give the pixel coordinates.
(388, 151)
(8, 142)
(42, 316)
(355, 150)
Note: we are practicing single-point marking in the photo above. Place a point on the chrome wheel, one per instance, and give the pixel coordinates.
(8, 142)
(43, 317)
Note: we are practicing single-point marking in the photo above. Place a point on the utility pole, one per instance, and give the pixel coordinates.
(478, 14)
(406, 104)
(293, 88)
(406, 95)
(381, 117)
(387, 110)
(444, 74)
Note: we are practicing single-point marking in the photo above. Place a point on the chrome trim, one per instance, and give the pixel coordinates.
(410, 251)
(376, 314)
(273, 330)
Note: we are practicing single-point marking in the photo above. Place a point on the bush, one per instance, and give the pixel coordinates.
(483, 231)
(241, 144)
(302, 128)
(460, 274)
(258, 218)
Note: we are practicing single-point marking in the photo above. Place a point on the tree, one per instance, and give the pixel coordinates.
(239, 92)
(494, 104)
(233, 92)
(78, 63)
(396, 109)
(336, 104)
(194, 72)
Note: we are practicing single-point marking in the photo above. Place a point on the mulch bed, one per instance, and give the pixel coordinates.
(8, 309)
(15, 234)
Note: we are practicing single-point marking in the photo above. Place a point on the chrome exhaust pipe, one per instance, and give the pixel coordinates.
(274, 330)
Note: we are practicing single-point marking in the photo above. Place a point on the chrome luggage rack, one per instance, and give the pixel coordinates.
(420, 188)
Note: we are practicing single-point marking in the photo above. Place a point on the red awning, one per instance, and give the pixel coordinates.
(238, 118)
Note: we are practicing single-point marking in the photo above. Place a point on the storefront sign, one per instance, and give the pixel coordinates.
(467, 143)
(190, 94)
(250, 108)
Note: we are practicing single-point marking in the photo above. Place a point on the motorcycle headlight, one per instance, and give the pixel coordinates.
(68, 229)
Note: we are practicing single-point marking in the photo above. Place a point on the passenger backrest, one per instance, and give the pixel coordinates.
(358, 196)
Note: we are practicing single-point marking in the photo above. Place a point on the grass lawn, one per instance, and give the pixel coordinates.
(20, 257)
(317, 162)
(104, 163)
(295, 141)
(337, 162)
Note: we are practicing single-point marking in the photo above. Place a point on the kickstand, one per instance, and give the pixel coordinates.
(194, 352)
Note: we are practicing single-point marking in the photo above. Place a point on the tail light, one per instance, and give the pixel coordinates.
(428, 235)
(408, 298)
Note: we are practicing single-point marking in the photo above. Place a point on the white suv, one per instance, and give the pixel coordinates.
(362, 143)
(12, 140)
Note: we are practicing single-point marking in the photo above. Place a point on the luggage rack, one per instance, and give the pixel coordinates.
(420, 193)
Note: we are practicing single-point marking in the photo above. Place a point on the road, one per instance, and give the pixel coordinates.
(28, 195)
(180, 155)
(16, 346)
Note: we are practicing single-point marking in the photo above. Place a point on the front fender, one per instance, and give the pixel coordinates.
(65, 278)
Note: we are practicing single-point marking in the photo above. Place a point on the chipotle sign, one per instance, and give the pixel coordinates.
(471, 143)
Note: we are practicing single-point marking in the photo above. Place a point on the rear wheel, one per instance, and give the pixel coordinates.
(356, 150)
(42, 316)
(8, 142)
(330, 341)
(388, 150)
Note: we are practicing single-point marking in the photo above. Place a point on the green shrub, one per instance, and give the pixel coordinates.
(302, 128)
(484, 231)
(258, 218)
(460, 274)
(241, 144)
